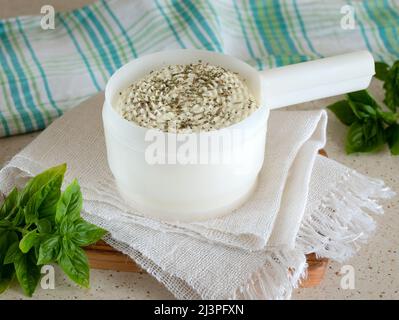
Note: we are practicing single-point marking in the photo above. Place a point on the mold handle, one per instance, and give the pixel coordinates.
(317, 79)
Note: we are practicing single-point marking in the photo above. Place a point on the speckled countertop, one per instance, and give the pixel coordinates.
(376, 265)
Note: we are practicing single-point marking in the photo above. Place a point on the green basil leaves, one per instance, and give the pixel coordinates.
(371, 127)
(41, 225)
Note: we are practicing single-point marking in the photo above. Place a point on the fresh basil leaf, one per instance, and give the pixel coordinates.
(369, 110)
(387, 117)
(51, 194)
(363, 104)
(44, 226)
(12, 253)
(9, 204)
(76, 266)
(365, 136)
(5, 224)
(392, 134)
(84, 233)
(381, 70)
(39, 181)
(362, 97)
(390, 97)
(43, 202)
(6, 276)
(363, 111)
(343, 111)
(70, 203)
(7, 238)
(30, 211)
(355, 138)
(28, 241)
(49, 250)
(66, 226)
(68, 245)
(3, 244)
(19, 218)
(391, 86)
(27, 272)
(36, 247)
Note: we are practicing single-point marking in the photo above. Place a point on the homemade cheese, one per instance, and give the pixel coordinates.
(187, 98)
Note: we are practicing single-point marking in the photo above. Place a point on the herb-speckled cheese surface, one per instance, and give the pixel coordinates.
(187, 98)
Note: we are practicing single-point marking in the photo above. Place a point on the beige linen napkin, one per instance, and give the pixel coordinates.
(303, 203)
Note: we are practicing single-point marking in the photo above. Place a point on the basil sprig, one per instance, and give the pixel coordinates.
(370, 126)
(40, 225)
(390, 76)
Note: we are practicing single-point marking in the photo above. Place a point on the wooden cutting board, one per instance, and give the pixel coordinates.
(103, 256)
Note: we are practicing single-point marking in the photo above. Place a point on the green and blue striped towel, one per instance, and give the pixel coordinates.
(45, 72)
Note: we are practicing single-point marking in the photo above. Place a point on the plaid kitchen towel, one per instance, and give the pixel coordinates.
(45, 72)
